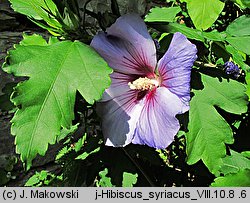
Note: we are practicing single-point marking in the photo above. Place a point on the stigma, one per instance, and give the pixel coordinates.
(144, 84)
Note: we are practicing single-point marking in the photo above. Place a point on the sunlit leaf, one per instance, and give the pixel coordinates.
(240, 179)
(80, 143)
(129, 179)
(237, 57)
(239, 27)
(208, 131)
(104, 180)
(204, 13)
(62, 152)
(241, 43)
(65, 132)
(234, 162)
(194, 33)
(239, 34)
(242, 3)
(37, 9)
(86, 154)
(214, 36)
(33, 8)
(37, 178)
(165, 14)
(246, 154)
(46, 100)
(248, 84)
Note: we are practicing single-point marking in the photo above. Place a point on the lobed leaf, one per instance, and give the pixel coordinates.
(129, 179)
(104, 180)
(46, 101)
(246, 154)
(234, 163)
(208, 131)
(240, 179)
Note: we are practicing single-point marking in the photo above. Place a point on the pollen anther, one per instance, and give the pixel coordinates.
(143, 84)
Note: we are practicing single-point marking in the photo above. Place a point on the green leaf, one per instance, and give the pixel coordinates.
(246, 3)
(76, 147)
(129, 179)
(237, 57)
(65, 132)
(208, 131)
(41, 178)
(86, 154)
(32, 8)
(242, 3)
(239, 27)
(204, 13)
(37, 178)
(234, 163)
(162, 14)
(240, 179)
(240, 43)
(236, 124)
(246, 154)
(62, 152)
(46, 101)
(239, 34)
(37, 9)
(34, 39)
(33, 180)
(215, 35)
(44, 13)
(194, 33)
(104, 180)
(248, 84)
(189, 32)
(80, 143)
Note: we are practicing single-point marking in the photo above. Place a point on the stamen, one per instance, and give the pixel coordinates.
(143, 84)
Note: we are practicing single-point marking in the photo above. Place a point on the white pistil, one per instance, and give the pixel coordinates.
(143, 84)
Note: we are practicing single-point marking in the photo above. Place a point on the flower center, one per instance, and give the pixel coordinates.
(143, 84)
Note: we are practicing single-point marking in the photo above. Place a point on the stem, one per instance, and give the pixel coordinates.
(204, 65)
(140, 169)
(85, 8)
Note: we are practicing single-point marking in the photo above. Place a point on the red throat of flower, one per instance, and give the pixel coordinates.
(145, 86)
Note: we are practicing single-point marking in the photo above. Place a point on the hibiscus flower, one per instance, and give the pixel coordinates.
(144, 98)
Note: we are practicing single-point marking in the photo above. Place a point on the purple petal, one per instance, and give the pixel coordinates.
(119, 86)
(175, 67)
(157, 124)
(127, 46)
(119, 111)
(128, 23)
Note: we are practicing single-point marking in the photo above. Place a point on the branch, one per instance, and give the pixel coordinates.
(204, 65)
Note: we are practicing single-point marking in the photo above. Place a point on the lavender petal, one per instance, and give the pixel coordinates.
(175, 67)
(127, 46)
(119, 116)
(157, 124)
